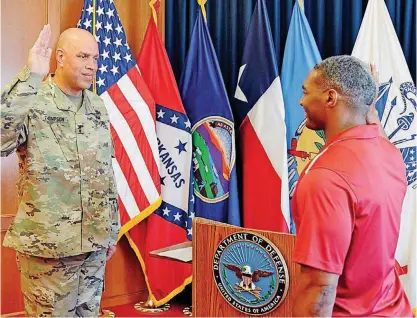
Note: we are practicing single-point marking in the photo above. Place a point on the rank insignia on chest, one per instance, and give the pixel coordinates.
(80, 129)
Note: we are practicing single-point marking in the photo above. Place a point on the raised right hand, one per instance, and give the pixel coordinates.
(372, 115)
(40, 53)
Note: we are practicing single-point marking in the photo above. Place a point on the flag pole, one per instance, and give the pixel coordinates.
(46, 18)
(94, 34)
(203, 9)
(154, 14)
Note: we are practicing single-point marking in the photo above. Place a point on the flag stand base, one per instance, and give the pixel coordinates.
(149, 308)
(104, 313)
(188, 311)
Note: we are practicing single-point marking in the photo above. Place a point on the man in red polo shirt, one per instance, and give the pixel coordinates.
(348, 201)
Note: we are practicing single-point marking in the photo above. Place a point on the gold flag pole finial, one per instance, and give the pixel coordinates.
(203, 9)
(94, 34)
(152, 5)
(301, 4)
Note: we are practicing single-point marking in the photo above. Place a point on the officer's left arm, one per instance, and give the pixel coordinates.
(315, 293)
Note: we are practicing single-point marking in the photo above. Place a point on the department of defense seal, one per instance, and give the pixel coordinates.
(250, 273)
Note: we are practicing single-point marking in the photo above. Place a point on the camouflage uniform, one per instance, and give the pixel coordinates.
(62, 287)
(68, 199)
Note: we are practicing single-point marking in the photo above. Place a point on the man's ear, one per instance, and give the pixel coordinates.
(59, 57)
(332, 97)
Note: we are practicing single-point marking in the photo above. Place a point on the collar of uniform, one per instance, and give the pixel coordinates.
(357, 132)
(64, 103)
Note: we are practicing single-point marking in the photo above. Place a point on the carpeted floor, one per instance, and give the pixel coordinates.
(178, 303)
(176, 310)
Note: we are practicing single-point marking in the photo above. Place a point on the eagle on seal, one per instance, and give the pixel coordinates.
(247, 276)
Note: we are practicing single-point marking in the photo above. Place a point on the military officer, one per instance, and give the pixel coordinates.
(67, 223)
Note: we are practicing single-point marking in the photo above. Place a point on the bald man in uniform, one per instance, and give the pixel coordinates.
(67, 223)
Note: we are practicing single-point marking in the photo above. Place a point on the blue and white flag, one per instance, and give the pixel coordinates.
(377, 43)
(300, 56)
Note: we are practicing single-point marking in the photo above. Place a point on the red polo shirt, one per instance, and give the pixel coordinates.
(347, 210)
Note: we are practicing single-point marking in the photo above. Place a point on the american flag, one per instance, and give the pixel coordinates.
(131, 111)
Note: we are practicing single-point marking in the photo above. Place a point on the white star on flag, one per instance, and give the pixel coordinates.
(127, 57)
(174, 119)
(190, 231)
(87, 24)
(119, 29)
(118, 42)
(103, 68)
(191, 215)
(90, 9)
(161, 113)
(187, 124)
(97, 38)
(106, 41)
(100, 11)
(105, 54)
(100, 82)
(177, 217)
(110, 13)
(108, 27)
(114, 70)
(166, 211)
(116, 57)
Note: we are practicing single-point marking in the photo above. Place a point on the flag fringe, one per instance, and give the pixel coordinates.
(140, 217)
(151, 297)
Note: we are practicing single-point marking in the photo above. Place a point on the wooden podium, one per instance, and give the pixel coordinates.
(208, 300)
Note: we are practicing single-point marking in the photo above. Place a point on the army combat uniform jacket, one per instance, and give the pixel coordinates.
(67, 194)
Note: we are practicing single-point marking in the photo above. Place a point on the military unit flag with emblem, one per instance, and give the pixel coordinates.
(213, 134)
(171, 223)
(300, 56)
(377, 43)
(131, 111)
(263, 143)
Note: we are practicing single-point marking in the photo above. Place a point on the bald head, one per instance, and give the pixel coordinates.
(74, 37)
(76, 54)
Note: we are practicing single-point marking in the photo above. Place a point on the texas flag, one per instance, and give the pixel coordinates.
(377, 43)
(263, 142)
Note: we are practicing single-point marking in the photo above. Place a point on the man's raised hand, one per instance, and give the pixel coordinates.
(40, 53)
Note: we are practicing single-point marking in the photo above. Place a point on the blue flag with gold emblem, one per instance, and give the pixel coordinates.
(213, 155)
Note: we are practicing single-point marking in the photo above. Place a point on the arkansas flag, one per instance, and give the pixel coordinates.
(263, 141)
(170, 224)
(377, 43)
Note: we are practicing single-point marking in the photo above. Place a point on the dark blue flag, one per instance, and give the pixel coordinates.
(206, 103)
